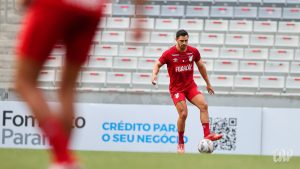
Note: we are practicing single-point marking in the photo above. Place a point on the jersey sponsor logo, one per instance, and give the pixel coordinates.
(175, 54)
(185, 68)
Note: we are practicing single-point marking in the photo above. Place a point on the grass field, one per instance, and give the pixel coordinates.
(38, 159)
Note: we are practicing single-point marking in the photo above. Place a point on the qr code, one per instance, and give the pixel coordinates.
(226, 126)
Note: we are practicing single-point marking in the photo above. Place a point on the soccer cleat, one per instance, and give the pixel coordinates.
(213, 136)
(180, 148)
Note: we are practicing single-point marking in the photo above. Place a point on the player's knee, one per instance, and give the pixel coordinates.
(183, 115)
(204, 107)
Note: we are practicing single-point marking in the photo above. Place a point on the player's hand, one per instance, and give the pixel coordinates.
(154, 79)
(210, 90)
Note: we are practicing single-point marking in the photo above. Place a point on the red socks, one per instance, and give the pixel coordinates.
(180, 137)
(206, 129)
(58, 140)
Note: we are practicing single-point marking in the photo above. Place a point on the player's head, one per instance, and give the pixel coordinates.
(182, 38)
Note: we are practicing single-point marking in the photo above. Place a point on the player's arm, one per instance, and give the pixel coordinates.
(203, 72)
(155, 71)
(138, 31)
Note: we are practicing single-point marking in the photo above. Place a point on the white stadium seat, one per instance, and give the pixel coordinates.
(265, 26)
(194, 38)
(261, 40)
(295, 68)
(54, 61)
(141, 80)
(100, 62)
(145, 23)
(113, 36)
(232, 53)
(240, 25)
(222, 82)
(197, 11)
(92, 79)
(130, 37)
(297, 54)
(292, 84)
(191, 24)
(146, 63)
(237, 39)
(106, 50)
(163, 37)
(251, 66)
(209, 52)
(271, 84)
(118, 79)
(245, 12)
(212, 39)
(133, 50)
(124, 63)
(246, 83)
(154, 51)
(276, 67)
(288, 27)
(281, 54)
(209, 65)
(148, 10)
(166, 24)
(287, 40)
(117, 22)
(256, 53)
(226, 65)
(216, 25)
(172, 10)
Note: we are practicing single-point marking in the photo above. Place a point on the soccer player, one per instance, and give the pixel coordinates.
(180, 62)
(47, 22)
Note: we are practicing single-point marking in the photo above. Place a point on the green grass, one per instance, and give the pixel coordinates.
(38, 159)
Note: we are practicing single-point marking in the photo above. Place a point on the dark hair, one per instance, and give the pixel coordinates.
(181, 32)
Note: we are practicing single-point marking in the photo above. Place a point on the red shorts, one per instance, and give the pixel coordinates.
(44, 27)
(188, 93)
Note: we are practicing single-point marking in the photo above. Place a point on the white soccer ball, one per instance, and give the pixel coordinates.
(206, 146)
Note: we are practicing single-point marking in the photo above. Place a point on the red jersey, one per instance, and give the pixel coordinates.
(180, 67)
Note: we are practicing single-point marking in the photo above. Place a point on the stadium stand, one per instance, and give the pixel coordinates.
(249, 46)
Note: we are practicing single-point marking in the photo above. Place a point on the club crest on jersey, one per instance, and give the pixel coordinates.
(175, 60)
(191, 58)
(177, 95)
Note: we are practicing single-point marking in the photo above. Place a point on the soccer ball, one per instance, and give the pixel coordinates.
(206, 146)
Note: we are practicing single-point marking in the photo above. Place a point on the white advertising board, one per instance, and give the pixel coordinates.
(140, 128)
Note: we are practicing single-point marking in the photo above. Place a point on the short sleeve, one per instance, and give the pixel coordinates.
(196, 55)
(163, 58)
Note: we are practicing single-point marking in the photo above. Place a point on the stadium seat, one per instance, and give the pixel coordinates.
(288, 27)
(209, 65)
(141, 80)
(92, 79)
(287, 40)
(145, 37)
(107, 9)
(231, 53)
(246, 83)
(132, 50)
(123, 9)
(245, 12)
(191, 24)
(240, 26)
(125, 63)
(113, 36)
(291, 13)
(146, 63)
(292, 84)
(212, 39)
(145, 23)
(54, 61)
(163, 37)
(106, 50)
(46, 78)
(222, 83)
(221, 12)
(166, 24)
(226, 66)
(194, 38)
(276, 67)
(226, 0)
(58, 50)
(251, 66)
(261, 40)
(269, 12)
(237, 39)
(117, 22)
(154, 51)
(97, 37)
(209, 52)
(271, 84)
(297, 54)
(199, 80)
(293, 1)
(250, 1)
(197, 11)
(102, 23)
(216, 25)
(172, 10)
(265, 26)
(295, 68)
(163, 80)
(256, 53)
(148, 10)
(281, 54)
(274, 1)
(118, 79)
(100, 62)
(7, 78)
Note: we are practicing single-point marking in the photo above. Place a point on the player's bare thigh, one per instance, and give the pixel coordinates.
(182, 108)
(199, 101)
